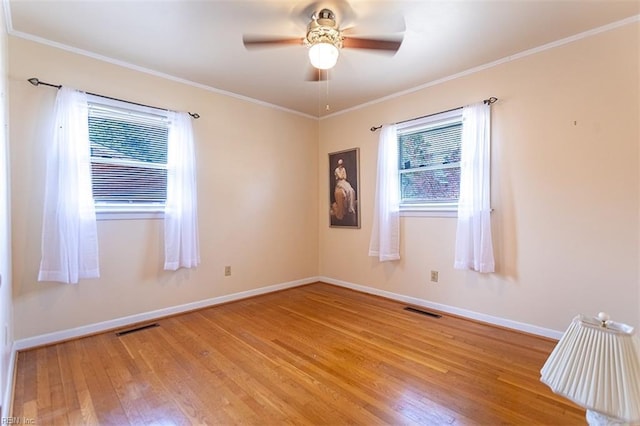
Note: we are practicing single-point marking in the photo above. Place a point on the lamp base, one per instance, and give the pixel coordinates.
(598, 419)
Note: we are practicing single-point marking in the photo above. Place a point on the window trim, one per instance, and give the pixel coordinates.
(114, 211)
(128, 211)
(433, 209)
(429, 209)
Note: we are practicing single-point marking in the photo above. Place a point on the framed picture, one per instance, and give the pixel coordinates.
(344, 189)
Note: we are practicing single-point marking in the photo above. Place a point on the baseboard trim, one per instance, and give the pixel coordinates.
(7, 401)
(59, 336)
(502, 322)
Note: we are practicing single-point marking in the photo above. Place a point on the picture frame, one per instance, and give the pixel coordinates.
(344, 189)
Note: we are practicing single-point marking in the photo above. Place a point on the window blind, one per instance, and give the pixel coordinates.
(431, 147)
(430, 163)
(128, 155)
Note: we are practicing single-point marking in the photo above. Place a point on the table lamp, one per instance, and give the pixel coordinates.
(596, 364)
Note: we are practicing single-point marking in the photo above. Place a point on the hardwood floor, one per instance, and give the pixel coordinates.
(316, 354)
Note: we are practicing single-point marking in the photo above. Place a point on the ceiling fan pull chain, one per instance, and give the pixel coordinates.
(327, 78)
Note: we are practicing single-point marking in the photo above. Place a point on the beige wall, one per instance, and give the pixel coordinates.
(6, 315)
(257, 180)
(565, 189)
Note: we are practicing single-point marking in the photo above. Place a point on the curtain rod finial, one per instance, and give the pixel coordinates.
(34, 81)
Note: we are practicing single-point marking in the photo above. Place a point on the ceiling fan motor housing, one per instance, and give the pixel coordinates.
(326, 17)
(323, 29)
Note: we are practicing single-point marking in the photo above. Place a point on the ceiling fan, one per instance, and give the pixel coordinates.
(324, 39)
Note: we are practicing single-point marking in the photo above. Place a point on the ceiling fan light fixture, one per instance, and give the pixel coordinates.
(323, 55)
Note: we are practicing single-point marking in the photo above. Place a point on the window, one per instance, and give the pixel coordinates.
(429, 162)
(128, 156)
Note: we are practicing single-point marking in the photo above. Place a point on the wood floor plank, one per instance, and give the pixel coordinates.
(315, 354)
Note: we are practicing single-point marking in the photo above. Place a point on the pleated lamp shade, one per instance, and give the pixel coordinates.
(596, 364)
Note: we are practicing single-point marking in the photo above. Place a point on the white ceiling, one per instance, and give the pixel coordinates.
(201, 41)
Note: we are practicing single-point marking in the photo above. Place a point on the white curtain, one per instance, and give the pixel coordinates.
(474, 247)
(181, 246)
(385, 234)
(69, 235)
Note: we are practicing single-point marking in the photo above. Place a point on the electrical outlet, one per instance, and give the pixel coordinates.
(227, 271)
(434, 276)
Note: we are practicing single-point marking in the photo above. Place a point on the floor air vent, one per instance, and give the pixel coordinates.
(420, 311)
(133, 330)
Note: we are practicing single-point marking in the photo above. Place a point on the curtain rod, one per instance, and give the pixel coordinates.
(489, 101)
(37, 82)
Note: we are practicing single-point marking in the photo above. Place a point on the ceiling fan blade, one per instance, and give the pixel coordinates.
(252, 42)
(373, 44)
(314, 74)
